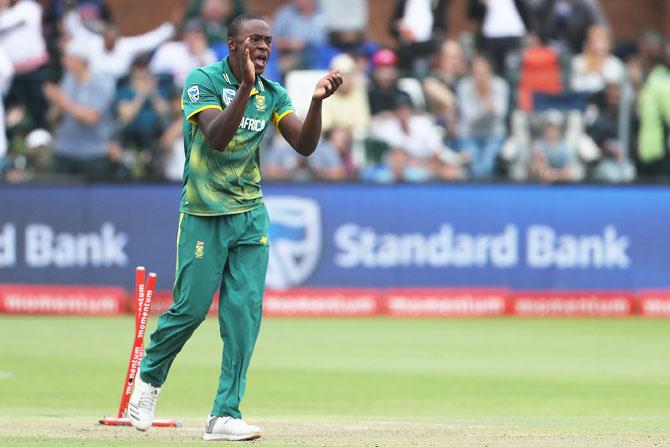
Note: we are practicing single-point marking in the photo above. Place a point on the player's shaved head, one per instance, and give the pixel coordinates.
(236, 24)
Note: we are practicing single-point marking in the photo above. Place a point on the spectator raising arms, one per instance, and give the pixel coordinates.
(112, 54)
(82, 108)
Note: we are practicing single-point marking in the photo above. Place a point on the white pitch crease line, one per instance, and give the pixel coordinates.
(6, 375)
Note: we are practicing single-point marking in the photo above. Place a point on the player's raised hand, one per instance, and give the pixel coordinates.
(246, 64)
(327, 85)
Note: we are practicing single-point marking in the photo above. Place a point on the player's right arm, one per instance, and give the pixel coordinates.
(219, 126)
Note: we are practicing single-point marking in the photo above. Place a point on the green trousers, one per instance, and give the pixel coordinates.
(225, 253)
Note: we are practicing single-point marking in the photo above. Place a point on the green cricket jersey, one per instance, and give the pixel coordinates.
(218, 183)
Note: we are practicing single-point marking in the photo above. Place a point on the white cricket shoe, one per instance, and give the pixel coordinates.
(224, 428)
(142, 404)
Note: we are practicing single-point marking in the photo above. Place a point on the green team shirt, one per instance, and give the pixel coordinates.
(228, 182)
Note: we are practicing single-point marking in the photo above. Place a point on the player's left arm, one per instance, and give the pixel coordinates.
(304, 136)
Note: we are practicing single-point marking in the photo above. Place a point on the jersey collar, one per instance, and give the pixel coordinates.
(229, 77)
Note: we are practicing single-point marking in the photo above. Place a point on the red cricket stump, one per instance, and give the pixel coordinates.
(143, 296)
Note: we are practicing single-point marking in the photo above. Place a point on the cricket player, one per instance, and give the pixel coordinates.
(222, 241)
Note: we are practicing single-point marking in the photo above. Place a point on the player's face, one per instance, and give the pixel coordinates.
(260, 42)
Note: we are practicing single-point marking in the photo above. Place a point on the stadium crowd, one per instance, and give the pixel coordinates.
(541, 92)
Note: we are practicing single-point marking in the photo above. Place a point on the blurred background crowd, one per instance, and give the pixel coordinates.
(542, 91)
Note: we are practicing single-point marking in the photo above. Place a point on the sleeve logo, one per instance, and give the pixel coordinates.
(227, 95)
(193, 93)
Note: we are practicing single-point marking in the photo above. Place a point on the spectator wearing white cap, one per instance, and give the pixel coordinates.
(82, 107)
(349, 106)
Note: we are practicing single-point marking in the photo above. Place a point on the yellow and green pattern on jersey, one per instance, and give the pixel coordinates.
(226, 182)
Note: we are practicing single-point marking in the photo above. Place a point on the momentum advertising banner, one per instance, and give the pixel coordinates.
(354, 235)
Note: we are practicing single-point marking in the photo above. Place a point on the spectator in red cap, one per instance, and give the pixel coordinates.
(384, 90)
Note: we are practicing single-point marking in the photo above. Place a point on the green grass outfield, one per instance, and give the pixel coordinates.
(343, 382)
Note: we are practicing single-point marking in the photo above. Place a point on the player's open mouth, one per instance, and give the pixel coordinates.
(261, 60)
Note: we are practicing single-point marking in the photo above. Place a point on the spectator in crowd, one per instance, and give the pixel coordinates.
(82, 107)
(539, 71)
(21, 38)
(6, 73)
(418, 138)
(614, 165)
(299, 31)
(654, 109)
(503, 25)
(143, 110)
(553, 160)
(178, 58)
(327, 163)
(345, 23)
(348, 107)
(172, 143)
(280, 162)
(483, 103)
(111, 53)
(596, 66)
(650, 51)
(215, 14)
(93, 13)
(341, 141)
(563, 24)
(440, 85)
(383, 90)
(419, 26)
(33, 161)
